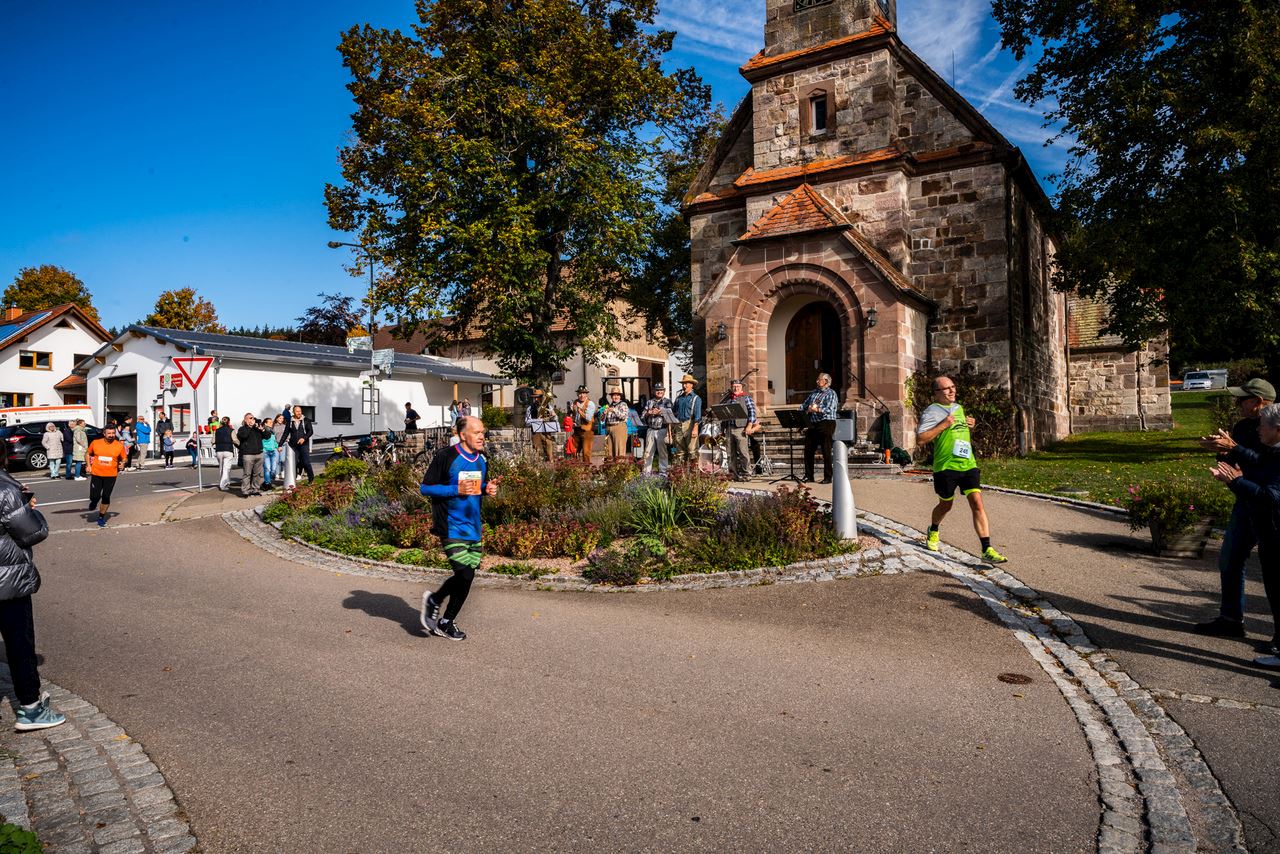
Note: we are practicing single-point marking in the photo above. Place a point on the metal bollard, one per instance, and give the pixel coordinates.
(290, 467)
(844, 515)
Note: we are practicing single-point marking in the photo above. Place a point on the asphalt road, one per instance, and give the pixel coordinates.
(293, 709)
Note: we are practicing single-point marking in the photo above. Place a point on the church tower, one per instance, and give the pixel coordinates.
(798, 24)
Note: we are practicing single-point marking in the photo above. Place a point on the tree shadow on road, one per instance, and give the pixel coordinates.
(387, 607)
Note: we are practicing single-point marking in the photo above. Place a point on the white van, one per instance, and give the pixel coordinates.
(30, 414)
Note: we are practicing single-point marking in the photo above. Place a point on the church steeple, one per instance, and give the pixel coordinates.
(797, 24)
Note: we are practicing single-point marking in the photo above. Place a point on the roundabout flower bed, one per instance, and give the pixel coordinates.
(607, 524)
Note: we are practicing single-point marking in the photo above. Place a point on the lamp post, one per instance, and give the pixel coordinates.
(373, 371)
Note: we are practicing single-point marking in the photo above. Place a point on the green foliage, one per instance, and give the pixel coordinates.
(495, 417)
(1170, 202)
(413, 530)
(612, 566)
(332, 320)
(701, 494)
(382, 551)
(511, 144)
(525, 569)
(16, 840)
(45, 286)
(1175, 506)
(328, 496)
(345, 469)
(332, 533)
(658, 514)
(277, 511)
(1223, 412)
(543, 539)
(395, 481)
(184, 309)
(984, 399)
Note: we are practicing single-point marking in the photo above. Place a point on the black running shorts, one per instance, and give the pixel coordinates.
(946, 482)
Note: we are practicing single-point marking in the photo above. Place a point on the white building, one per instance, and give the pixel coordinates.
(136, 373)
(39, 351)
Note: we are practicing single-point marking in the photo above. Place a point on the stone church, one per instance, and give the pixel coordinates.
(860, 218)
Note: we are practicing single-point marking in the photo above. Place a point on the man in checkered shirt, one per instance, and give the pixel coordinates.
(819, 410)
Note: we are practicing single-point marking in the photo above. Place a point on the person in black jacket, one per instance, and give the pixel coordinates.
(298, 433)
(224, 448)
(1259, 494)
(250, 436)
(1239, 448)
(21, 527)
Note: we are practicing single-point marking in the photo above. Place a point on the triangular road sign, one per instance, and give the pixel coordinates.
(193, 367)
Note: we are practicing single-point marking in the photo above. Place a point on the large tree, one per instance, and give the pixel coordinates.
(331, 321)
(1171, 199)
(508, 166)
(183, 308)
(45, 286)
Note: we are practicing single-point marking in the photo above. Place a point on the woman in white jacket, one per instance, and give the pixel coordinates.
(52, 441)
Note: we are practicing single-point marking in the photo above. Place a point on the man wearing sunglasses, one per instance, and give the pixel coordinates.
(945, 425)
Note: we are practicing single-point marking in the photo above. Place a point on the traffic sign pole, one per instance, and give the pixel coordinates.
(193, 369)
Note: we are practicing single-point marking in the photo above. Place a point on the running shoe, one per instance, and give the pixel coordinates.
(1271, 661)
(430, 612)
(38, 716)
(447, 629)
(990, 555)
(102, 521)
(933, 542)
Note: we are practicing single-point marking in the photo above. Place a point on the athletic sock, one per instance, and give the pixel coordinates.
(986, 542)
(933, 529)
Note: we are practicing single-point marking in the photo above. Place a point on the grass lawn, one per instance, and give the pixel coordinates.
(1105, 464)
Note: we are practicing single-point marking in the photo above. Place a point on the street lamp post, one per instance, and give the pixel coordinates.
(373, 370)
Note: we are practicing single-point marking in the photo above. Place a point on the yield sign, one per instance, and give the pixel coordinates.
(193, 367)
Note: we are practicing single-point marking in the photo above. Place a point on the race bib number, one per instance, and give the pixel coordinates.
(962, 450)
(469, 483)
(106, 459)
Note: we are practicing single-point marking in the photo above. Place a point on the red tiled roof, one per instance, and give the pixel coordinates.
(752, 178)
(70, 382)
(804, 209)
(878, 28)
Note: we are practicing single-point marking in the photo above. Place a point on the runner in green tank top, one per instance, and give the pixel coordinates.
(945, 424)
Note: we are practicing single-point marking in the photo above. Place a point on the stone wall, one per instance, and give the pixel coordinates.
(924, 124)
(786, 30)
(1105, 393)
(877, 206)
(959, 258)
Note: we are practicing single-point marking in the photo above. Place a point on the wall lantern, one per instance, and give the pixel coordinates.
(722, 332)
(873, 317)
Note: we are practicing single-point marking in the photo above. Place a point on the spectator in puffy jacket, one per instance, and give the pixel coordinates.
(52, 441)
(79, 447)
(21, 527)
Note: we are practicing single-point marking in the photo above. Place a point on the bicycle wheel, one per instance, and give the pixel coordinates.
(423, 458)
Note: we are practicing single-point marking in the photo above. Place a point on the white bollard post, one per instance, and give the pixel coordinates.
(844, 515)
(290, 467)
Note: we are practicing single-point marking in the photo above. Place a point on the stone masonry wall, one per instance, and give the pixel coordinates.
(959, 258)
(1038, 324)
(923, 123)
(877, 206)
(864, 111)
(1105, 392)
(786, 30)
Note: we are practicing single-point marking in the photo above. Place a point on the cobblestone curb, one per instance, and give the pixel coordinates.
(888, 559)
(1156, 790)
(86, 786)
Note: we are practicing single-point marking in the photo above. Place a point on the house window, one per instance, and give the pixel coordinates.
(14, 398)
(341, 415)
(80, 357)
(818, 112)
(35, 361)
(308, 412)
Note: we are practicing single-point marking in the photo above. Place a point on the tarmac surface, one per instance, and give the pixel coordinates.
(293, 709)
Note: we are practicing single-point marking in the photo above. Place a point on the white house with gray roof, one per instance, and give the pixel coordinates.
(135, 373)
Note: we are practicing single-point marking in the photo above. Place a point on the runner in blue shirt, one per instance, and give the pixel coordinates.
(456, 481)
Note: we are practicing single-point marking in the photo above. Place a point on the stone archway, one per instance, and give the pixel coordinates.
(813, 346)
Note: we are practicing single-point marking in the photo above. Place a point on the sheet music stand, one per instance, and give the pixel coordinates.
(793, 420)
(729, 411)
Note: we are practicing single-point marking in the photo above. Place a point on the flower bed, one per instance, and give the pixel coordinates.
(610, 524)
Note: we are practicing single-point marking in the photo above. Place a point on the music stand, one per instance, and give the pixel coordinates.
(731, 412)
(793, 420)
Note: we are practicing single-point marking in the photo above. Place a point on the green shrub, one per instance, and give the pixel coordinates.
(412, 530)
(422, 557)
(577, 541)
(494, 417)
(381, 551)
(277, 511)
(612, 566)
(984, 398)
(395, 480)
(700, 493)
(520, 569)
(609, 517)
(16, 840)
(332, 533)
(1223, 412)
(345, 469)
(657, 513)
(1175, 506)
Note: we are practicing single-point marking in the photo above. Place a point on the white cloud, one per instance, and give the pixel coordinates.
(940, 30)
(729, 30)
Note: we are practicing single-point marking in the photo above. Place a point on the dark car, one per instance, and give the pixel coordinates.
(25, 445)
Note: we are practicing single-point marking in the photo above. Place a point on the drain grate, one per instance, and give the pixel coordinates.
(1014, 679)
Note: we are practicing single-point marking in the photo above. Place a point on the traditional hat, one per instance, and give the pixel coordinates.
(1254, 388)
(659, 387)
(583, 390)
(688, 378)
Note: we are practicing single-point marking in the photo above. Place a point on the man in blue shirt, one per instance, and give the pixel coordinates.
(819, 410)
(455, 481)
(688, 408)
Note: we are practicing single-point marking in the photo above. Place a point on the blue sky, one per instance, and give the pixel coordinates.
(154, 145)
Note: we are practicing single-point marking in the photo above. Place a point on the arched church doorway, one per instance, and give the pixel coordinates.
(814, 345)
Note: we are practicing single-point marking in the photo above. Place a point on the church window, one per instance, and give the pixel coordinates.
(817, 108)
(818, 112)
(801, 5)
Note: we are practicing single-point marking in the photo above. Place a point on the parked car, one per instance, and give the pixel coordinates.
(24, 445)
(1197, 381)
